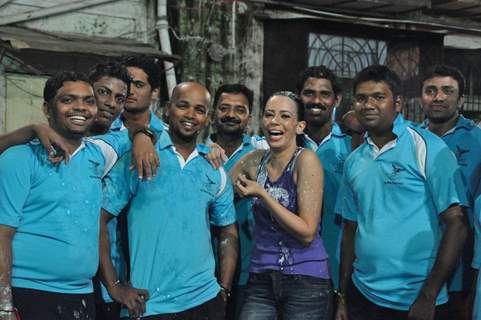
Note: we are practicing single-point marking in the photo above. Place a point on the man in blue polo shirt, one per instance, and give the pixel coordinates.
(110, 82)
(477, 247)
(320, 92)
(401, 199)
(168, 221)
(49, 222)
(442, 99)
(230, 119)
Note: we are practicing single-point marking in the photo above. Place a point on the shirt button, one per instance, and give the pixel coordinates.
(281, 243)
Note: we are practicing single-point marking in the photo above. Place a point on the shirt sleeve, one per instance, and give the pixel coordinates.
(222, 211)
(118, 186)
(112, 146)
(15, 182)
(346, 205)
(444, 178)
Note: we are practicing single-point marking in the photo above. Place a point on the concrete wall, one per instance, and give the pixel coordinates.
(132, 19)
(21, 95)
(23, 100)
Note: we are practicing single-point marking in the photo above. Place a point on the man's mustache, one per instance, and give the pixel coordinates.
(230, 119)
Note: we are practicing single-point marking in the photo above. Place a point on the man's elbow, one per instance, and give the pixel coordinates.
(458, 224)
(463, 229)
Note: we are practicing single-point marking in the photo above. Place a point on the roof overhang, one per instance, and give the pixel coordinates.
(366, 12)
(28, 46)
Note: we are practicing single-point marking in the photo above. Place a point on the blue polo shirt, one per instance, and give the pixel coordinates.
(308, 142)
(55, 211)
(477, 246)
(332, 151)
(396, 195)
(464, 140)
(243, 206)
(169, 230)
(155, 124)
(158, 126)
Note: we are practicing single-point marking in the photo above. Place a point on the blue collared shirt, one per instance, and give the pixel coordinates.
(168, 223)
(464, 140)
(395, 194)
(55, 211)
(308, 142)
(332, 151)
(158, 126)
(477, 246)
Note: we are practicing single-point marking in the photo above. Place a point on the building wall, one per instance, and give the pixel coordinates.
(133, 19)
(23, 100)
(21, 95)
(346, 49)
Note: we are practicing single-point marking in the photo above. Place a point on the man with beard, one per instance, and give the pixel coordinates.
(230, 119)
(168, 222)
(442, 99)
(320, 92)
(49, 222)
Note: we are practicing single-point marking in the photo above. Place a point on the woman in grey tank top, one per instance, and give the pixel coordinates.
(289, 276)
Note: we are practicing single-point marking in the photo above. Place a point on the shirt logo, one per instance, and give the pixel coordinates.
(394, 176)
(460, 155)
(339, 165)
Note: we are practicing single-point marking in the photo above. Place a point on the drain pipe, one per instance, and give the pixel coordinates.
(162, 26)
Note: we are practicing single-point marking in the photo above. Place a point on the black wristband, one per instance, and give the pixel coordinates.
(147, 131)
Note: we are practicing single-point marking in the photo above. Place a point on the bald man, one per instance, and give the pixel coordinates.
(169, 222)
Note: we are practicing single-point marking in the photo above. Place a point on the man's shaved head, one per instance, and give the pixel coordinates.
(189, 85)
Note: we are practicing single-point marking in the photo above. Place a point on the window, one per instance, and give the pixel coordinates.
(346, 56)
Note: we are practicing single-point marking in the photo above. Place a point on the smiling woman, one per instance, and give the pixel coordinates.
(288, 255)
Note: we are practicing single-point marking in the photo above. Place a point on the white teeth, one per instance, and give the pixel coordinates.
(78, 118)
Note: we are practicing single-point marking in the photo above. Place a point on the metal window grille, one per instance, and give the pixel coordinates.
(346, 56)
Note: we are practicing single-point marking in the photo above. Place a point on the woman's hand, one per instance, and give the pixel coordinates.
(248, 188)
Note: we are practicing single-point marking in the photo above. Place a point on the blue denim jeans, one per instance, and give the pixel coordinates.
(273, 295)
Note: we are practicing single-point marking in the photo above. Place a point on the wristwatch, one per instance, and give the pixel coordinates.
(147, 131)
(226, 291)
